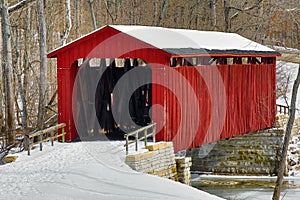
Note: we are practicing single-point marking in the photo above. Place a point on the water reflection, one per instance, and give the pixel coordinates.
(247, 188)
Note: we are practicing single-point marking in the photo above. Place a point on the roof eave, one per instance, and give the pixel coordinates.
(188, 52)
(55, 52)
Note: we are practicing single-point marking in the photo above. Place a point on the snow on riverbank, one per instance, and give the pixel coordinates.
(294, 156)
(287, 72)
(85, 170)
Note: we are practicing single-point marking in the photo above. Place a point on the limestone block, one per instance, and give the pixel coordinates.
(183, 165)
(151, 172)
(9, 159)
(139, 157)
(183, 159)
(158, 146)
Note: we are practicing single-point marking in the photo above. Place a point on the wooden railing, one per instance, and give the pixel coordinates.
(282, 109)
(136, 135)
(44, 138)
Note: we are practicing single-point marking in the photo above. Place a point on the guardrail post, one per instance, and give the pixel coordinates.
(41, 144)
(53, 131)
(52, 140)
(27, 143)
(145, 130)
(126, 144)
(63, 136)
(136, 140)
(145, 137)
(154, 132)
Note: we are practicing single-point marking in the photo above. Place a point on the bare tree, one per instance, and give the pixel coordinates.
(213, 13)
(226, 15)
(282, 164)
(162, 12)
(155, 12)
(43, 65)
(23, 86)
(108, 12)
(7, 74)
(68, 23)
(92, 13)
(1, 89)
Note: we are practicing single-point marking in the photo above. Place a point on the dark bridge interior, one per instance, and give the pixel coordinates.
(103, 78)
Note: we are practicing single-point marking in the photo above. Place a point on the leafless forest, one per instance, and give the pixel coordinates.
(31, 28)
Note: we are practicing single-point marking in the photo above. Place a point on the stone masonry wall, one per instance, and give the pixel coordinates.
(159, 160)
(250, 154)
(183, 169)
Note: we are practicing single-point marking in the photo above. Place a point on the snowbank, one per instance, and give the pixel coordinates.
(85, 170)
(288, 71)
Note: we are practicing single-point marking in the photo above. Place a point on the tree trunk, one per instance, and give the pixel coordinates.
(43, 67)
(1, 86)
(23, 87)
(155, 13)
(282, 164)
(213, 14)
(7, 74)
(226, 15)
(24, 109)
(68, 23)
(162, 12)
(93, 14)
(78, 17)
(197, 21)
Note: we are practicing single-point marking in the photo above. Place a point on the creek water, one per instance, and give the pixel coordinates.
(247, 188)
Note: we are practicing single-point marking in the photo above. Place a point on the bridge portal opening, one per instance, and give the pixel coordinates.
(101, 109)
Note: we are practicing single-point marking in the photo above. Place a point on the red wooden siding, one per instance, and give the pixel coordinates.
(249, 104)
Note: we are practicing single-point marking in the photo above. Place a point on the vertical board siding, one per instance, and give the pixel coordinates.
(249, 103)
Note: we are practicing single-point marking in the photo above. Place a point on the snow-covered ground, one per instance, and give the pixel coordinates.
(288, 72)
(294, 156)
(85, 170)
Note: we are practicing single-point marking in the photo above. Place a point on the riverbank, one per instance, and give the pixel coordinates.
(246, 187)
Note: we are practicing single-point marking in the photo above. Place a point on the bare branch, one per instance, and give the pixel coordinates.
(245, 9)
(109, 13)
(19, 5)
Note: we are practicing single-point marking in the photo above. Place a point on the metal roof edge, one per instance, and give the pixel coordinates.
(203, 51)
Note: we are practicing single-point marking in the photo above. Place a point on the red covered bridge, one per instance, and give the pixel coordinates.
(201, 86)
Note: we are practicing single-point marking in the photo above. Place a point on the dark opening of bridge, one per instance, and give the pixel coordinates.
(109, 105)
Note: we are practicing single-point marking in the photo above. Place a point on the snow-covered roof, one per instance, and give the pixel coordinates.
(289, 55)
(169, 38)
(286, 49)
(183, 41)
